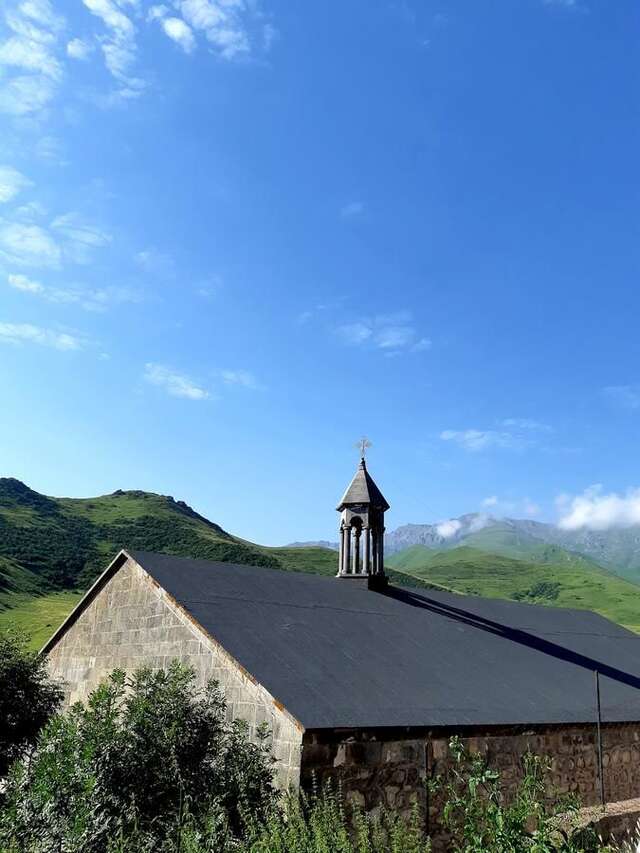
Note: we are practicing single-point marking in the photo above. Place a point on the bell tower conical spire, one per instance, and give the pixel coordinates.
(362, 510)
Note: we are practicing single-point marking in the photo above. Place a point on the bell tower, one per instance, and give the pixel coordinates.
(362, 510)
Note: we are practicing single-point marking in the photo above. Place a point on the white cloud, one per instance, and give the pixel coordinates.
(28, 245)
(626, 396)
(77, 231)
(179, 32)
(391, 333)
(68, 239)
(157, 12)
(354, 333)
(30, 211)
(155, 262)
(515, 433)
(11, 183)
(526, 424)
(474, 440)
(239, 377)
(26, 94)
(41, 11)
(49, 148)
(20, 333)
(30, 48)
(21, 282)
(91, 299)
(175, 384)
(30, 55)
(594, 510)
(520, 507)
(448, 529)
(119, 48)
(79, 49)
(112, 17)
(352, 210)
(224, 23)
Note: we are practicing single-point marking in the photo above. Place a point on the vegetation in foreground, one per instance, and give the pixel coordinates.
(151, 763)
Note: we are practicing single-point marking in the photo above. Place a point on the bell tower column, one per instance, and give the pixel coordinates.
(366, 549)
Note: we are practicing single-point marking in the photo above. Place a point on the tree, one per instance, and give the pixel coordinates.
(141, 759)
(28, 697)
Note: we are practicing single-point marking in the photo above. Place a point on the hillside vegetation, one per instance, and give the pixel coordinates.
(52, 549)
(555, 577)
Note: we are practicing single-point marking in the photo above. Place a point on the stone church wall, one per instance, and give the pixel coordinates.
(389, 768)
(133, 622)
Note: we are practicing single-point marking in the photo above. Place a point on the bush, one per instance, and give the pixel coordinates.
(481, 820)
(143, 758)
(28, 697)
(322, 824)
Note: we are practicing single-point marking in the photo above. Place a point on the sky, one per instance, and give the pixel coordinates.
(237, 235)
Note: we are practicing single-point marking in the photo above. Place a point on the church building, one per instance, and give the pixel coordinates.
(364, 681)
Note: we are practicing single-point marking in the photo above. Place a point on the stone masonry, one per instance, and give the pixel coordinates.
(389, 768)
(133, 622)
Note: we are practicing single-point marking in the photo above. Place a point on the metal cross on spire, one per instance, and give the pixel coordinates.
(363, 445)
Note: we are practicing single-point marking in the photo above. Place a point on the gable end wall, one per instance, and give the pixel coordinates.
(132, 622)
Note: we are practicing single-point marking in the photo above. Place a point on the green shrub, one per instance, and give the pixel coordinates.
(481, 820)
(143, 758)
(28, 697)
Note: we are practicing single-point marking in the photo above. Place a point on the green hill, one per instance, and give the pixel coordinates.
(52, 549)
(550, 576)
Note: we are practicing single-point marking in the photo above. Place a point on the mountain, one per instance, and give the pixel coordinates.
(561, 579)
(615, 549)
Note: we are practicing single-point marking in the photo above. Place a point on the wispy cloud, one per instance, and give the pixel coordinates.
(119, 48)
(26, 333)
(391, 333)
(512, 433)
(29, 55)
(79, 49)
(352, 210)
(594, 510)
(509, 506)
(174, 383)
(155, 262)
(526, 424)
(180, 32)
(243, 378)
(28, 245)
(11, 183)
(91, 299)
(566, 4)
(475, 440)
(448, 529)
(69, 239)
(80, 237)
(625, 396)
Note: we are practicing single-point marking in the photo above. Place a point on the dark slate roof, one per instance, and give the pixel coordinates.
(336, 654)
(363, 490)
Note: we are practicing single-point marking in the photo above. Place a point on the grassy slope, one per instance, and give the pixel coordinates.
(53, 548)
(37, 615)
(570, 582)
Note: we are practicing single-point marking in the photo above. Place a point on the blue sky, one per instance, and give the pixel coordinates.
(235, 235)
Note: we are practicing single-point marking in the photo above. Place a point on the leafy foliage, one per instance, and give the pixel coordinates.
(322, 824)
(481, 820)
(28, 697)
(144, 757)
